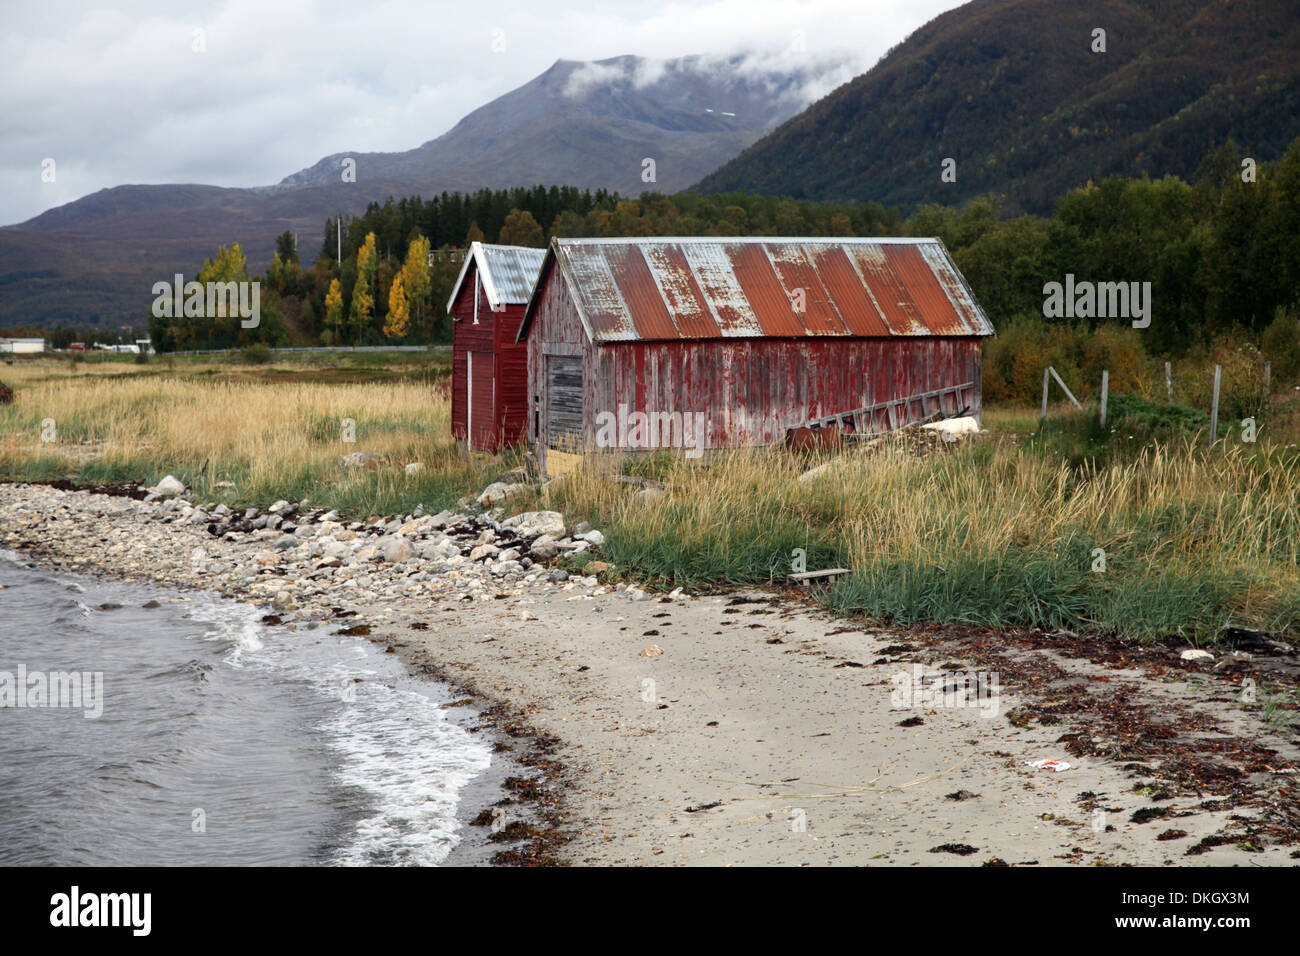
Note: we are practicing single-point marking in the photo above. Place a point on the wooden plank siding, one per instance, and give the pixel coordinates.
(750, 390)
(494, 335)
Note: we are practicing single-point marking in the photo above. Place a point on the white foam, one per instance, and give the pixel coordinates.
(234, 623)
(392, 740)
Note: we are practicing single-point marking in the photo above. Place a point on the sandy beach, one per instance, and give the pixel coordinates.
(751, 728)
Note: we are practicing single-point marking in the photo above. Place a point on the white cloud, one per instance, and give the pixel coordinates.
(120, 96)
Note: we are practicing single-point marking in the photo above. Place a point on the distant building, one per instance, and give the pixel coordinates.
(708, 343)
(489, 374)
(22, 346)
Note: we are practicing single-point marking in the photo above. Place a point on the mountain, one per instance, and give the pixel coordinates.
(591, 124)
(1012, 91)
(586, 124)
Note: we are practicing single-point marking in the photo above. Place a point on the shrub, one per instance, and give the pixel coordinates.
(1015, 360)
(1149, 415)
(1118, 350)
(1280, 344)
(1241, 383)
(257, 354)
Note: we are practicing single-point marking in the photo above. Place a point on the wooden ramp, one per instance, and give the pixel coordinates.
(897, 413)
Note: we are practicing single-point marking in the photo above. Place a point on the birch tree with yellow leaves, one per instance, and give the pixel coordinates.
(399, 311)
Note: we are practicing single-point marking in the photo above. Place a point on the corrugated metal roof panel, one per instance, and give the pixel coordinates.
(513, 270)
(679, 287)
(888, 290)
(507, 273)
(712, 268)
(849, 291)
(768, 298)
(805, 289)
(701, 288)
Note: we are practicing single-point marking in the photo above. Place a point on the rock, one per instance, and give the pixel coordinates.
(821, 471)
(413, 469)
(226, 485)
(510, 554)
(647, 495)
(279, 507)
(370, 554)
(544, 548)
(596, 567)
(535, 524)
(651, 650)
(499, 491)
(558, 576)
(582, 528)
(396, 549)
(169, 487)
(594, 538)
(442, 519)
(363, 459)
(285, 542)
(1196, 655)
(483, 551)
(335, 549)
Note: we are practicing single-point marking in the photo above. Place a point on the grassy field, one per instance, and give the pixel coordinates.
(277, 430)
(1008, 530)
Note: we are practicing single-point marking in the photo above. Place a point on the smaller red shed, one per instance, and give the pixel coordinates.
(489, 371)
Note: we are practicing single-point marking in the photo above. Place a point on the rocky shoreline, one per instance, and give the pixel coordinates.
(731, 729)
(306, 567)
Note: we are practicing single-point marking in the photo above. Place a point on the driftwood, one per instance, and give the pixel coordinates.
(643, 482)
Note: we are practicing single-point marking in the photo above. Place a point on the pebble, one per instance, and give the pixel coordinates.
(296, 559)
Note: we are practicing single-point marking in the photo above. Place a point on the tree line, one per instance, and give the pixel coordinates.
(1222, 252)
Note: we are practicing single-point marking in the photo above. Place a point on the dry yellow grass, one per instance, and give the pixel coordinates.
(995, 532)
(270, 439)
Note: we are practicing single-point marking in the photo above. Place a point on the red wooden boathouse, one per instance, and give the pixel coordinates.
(488, 368)
(745, 338)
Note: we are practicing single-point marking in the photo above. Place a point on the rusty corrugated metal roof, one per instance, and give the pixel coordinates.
(507, 273)
(748, 287)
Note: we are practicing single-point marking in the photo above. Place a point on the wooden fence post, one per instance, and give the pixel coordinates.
(1214, 406)
(1043, 417)
(1105, 389)
(1065, 388)
(1169, 384)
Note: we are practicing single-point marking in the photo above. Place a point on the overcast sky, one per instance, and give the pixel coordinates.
(134, 93)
